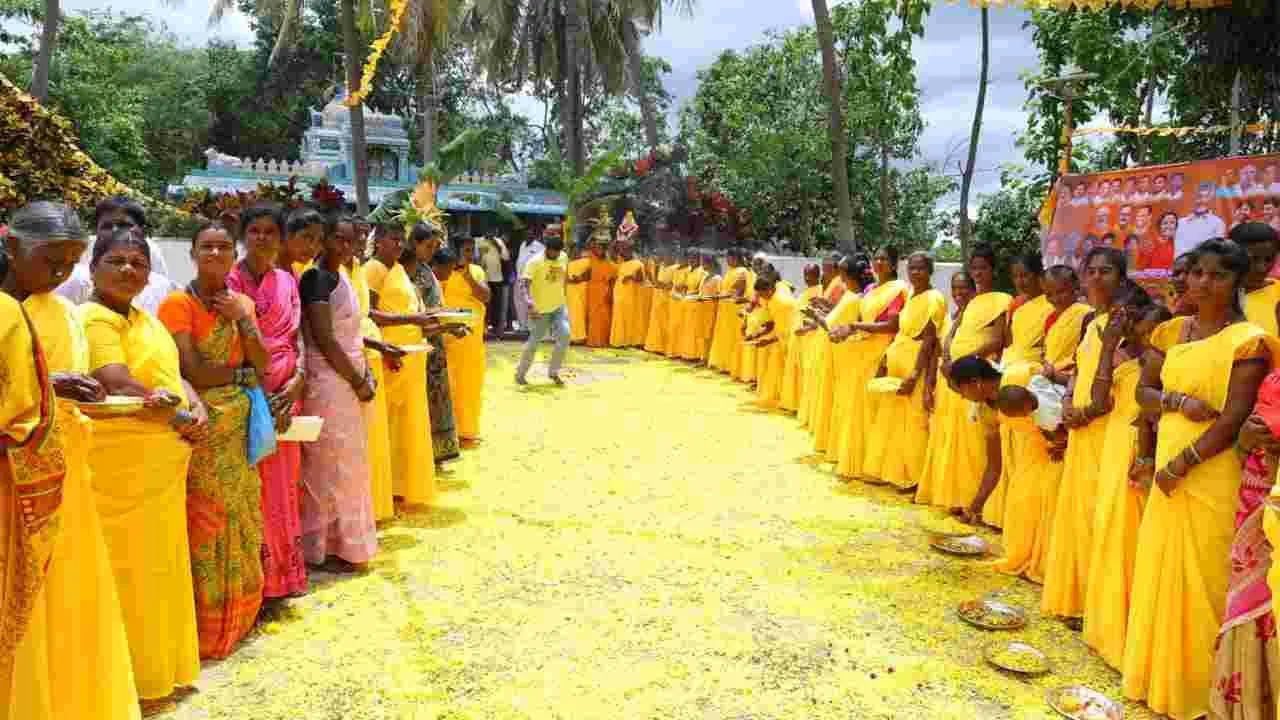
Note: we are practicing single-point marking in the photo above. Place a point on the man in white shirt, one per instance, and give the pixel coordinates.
(493, 252)
(530, 249)
(1201, 224)
(110, 216)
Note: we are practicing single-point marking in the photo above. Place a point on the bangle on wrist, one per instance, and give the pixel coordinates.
(1144, 461)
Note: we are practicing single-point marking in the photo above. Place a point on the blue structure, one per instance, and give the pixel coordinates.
(326, 155)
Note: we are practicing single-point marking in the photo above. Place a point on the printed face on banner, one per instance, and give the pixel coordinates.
(1155, 214)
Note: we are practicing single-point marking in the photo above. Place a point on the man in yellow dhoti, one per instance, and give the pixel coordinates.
(63, 649)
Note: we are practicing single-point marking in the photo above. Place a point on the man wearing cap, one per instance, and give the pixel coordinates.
(542, 295)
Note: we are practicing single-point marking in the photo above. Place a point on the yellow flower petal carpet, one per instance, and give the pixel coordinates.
(640, 544)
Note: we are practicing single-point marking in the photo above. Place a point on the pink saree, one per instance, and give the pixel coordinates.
(1247, 658)
(279, 320)
(337, 507)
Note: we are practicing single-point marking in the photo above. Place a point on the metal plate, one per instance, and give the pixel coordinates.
(963, 545)
(991, 615)
(113, 405)
(1080, 703)
(1016, 657)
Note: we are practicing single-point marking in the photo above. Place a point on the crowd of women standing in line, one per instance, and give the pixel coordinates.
(134, 546)
(1125, 444)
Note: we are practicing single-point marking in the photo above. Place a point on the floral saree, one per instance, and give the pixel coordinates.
(224, 496)
(444, 430)
(279, 312)
(1246, 669)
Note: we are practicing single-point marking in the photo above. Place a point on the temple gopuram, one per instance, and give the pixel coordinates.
(326, 155)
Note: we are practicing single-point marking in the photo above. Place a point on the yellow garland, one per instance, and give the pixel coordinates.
(378, 47)
(1255, 129)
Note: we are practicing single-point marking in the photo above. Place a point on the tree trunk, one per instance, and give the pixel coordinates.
(635, 61)
(572, 65)
(359, 155)
(1237, 96)
(886, 200)
(1150, 101)
(426, 82)
(44, 57)
(835, 127)
(966, 180)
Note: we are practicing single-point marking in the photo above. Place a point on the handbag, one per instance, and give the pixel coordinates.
(262, 426)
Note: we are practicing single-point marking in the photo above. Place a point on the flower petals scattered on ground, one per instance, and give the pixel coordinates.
(639, 547)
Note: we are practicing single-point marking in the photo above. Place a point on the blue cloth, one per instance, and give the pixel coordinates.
(556, 324)
(262, 426)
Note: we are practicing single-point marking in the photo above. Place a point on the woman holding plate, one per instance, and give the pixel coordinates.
(72, 659)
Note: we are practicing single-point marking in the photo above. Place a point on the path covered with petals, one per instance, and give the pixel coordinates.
(640, 545)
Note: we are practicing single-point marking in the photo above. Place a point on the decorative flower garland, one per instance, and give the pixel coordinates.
(378, 47)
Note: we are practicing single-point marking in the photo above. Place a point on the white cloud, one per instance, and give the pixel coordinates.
(187, 19)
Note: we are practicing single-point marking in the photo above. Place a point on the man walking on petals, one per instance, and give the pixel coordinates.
(542, 291)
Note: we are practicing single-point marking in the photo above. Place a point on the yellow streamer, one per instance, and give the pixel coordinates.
(1254, 129)
(1096, 4)
(378, 47)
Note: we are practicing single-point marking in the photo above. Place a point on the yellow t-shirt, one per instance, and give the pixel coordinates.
(547, 282)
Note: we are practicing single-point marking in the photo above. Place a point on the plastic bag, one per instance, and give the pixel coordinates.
(262, 426)
(1050, 400)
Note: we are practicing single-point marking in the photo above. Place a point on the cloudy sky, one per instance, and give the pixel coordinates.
(947, 61)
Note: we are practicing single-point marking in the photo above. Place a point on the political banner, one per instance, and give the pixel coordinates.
(1154, 214)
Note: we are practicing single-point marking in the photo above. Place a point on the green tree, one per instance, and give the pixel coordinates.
(1008, 220)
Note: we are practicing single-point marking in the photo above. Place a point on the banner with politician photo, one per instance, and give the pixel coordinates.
(1154, 214)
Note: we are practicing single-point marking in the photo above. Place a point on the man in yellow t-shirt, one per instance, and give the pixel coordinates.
(542, 291)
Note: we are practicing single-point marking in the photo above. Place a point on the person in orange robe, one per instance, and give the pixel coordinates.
(600, 295)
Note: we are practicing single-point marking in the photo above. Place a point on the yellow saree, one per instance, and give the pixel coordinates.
(866, 349)
(1183, 560)
(898, 440)
(576, 297)
(625, 331)
(413, 473)
(797, 351)
(142, 503)
(957, 455)
(375, 413)
(1260, 306)
(835, 405)
(466, 355)
(772, 358)
(1071, 539)
(659, 311)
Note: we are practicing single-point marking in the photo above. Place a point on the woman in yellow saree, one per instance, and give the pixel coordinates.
(1071, 537)
(467, 289)
(398, 311)
(1262, 292)
(142, 497)
(818, 365)
(1027, 326)
(868, 338)
(733, 289)
(1123, 478)
(937, 394)
(899, 437)
(831, 405)
(687, 348)
(676, 307)
(64, 654)
(799, 343)
(1203, 387)
(660, 309)
(625, 330)
(771, 340)
(377, 353)
(957, 459)
(579, 273)
(222, 354)
(1032, 496)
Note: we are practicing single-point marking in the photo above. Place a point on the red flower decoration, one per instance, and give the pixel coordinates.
(1229, 688)
(1266, 627)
